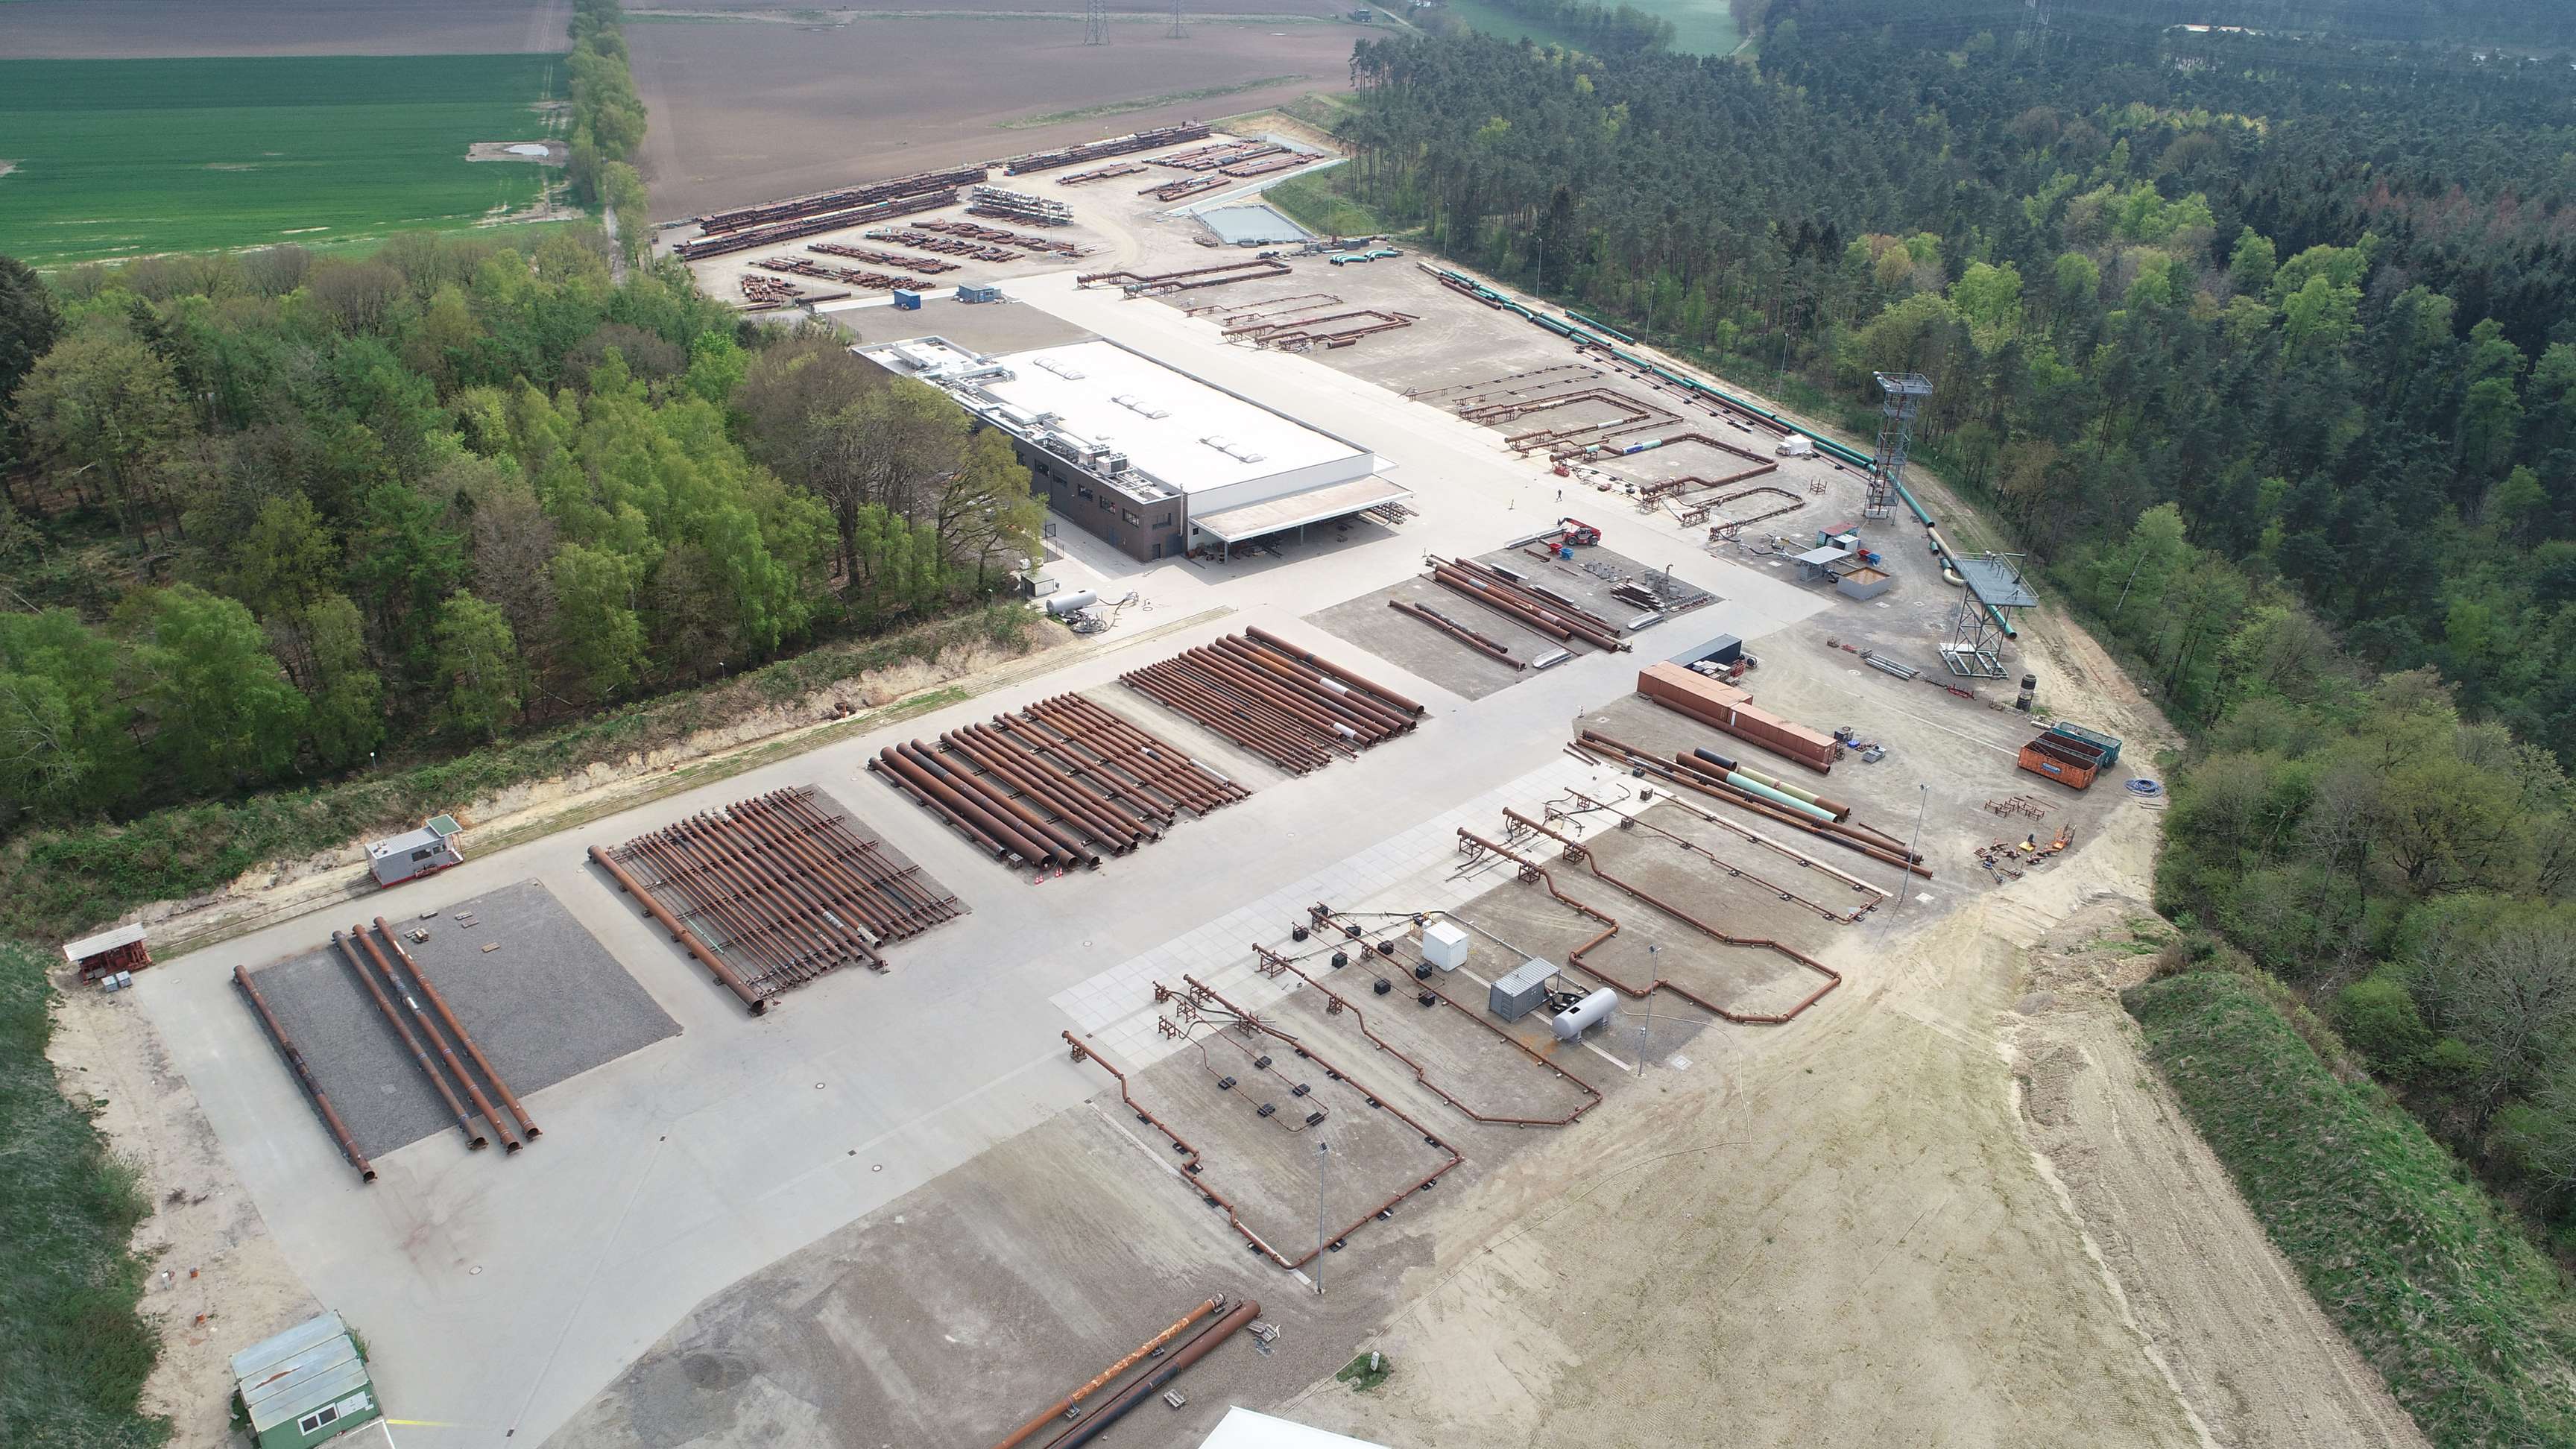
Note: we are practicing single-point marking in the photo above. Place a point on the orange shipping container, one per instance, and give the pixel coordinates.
(1725, 707)
(2068, 762)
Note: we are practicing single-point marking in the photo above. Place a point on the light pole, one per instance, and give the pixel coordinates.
(1323, 1174)
(1646, 1031)
(1923, 798)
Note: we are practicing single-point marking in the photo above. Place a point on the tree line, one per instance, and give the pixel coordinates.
(270, 515)
(608, 122)
(2263, 347)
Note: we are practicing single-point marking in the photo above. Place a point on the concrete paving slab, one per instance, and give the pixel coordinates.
(549, 1004)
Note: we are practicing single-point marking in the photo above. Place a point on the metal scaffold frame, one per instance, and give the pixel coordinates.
(1904, 395)
(1990, 584)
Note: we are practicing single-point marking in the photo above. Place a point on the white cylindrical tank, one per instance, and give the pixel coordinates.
(1590, 1012)
(1059, 605)
(1444, 945)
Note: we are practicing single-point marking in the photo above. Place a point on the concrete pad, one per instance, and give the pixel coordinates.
(546, 1006)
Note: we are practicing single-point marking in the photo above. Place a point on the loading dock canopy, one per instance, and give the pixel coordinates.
(1276, 515)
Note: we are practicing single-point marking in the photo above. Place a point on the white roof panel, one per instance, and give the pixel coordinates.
(81, 950)
(1182, 431)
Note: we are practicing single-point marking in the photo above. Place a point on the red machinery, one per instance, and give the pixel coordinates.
(1578, 534)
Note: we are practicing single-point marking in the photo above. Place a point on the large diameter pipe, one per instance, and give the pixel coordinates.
(1317, 661)
(1786, 787)
(304, 1073)
(1482, 643)
(1064, 1406)
(429, 989)
(446, 1093)
(687, 938)
(1146, 1387)
(1013, 841)
(429, 1027)
(883, 764)
(1752, 786)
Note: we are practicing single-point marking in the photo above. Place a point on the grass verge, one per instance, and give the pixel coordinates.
(2473, 1328)
(1147, 103)
(1318, 204)
(73, 1353)
(123, 158)
(54, 883)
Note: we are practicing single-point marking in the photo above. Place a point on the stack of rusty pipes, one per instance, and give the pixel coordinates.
(1071, 1404)
(1704, 779)
(789, 887)
(1522, 605)
(1046, 787)
(817, 202)
(1283, 704)
(438, 1026)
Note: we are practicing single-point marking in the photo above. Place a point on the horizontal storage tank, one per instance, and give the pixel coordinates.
(1061, 604)
(1584, 1015)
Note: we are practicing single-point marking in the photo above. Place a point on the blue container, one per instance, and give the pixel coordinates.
(905, 301)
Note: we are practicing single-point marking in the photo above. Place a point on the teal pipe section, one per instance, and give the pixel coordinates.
(1825, 445)
(1742, 781)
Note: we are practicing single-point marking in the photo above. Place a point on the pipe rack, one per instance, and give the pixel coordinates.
(1281, 702)
(792, 889)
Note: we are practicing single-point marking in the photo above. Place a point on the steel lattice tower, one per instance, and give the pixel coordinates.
(1904, 394)
(1095, 22)
(1178, 31)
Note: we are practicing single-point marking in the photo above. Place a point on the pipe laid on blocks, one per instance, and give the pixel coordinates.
(1066, 1405)
(429, 989)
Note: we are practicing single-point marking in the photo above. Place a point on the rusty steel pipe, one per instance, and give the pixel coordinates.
(1534, 595)
(842, 884)
(429, 1027)
(1494, 594)
(1254, 713)
(1544, 620)
(1307, 683)
(929, 902)
(1030, 847)
(1596, 743)
(1054, 844)
(1017, 845)
(883, 765)
(1062, 782)
(688, 885)
(464, 1119)
(1154, 1379)
(1070, 842)
(304, 1073)
(821, 881)
(428, 988)
(1134, 748)
(1229, 676)
(781, 905)
(717, 895)
(1291, 699)
(1482, 643)
(1064, 1407)
(1148, 785)
(1302, 683)
(1317, 661)
(1226, 719)
(1121, 794)
(687, 938)
(1038, 786)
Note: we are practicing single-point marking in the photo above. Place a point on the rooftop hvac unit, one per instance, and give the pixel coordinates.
(1113, 464)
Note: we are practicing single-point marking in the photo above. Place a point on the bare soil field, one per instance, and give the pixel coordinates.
(120, 29)
(744, 111)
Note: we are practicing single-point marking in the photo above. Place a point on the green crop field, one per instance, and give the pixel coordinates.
(1700, 27)
(106, 159)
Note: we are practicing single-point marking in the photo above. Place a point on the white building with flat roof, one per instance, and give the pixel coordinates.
(1156, 461)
